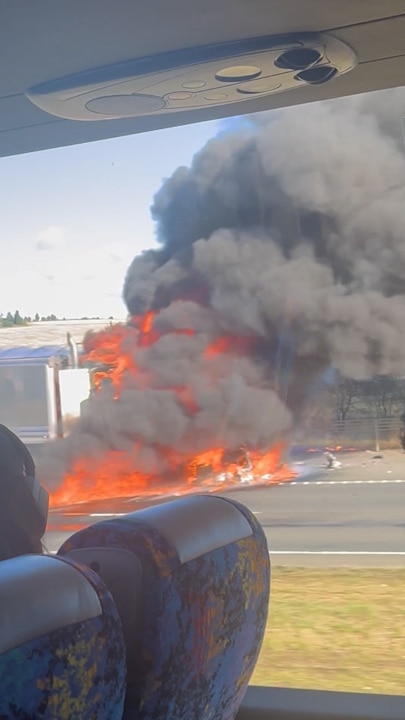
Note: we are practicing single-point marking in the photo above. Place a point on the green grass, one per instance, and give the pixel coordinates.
(335, 629)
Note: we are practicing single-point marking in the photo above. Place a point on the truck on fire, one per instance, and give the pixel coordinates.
(42, 390)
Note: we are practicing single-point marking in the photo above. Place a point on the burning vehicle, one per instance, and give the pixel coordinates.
(173, 457)
(41, 390)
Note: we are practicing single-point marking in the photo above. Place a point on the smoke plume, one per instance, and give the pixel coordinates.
(281, 253)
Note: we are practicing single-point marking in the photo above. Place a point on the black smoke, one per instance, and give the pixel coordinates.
(288, 232)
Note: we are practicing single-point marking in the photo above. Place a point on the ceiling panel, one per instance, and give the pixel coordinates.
(373, 41)
(44, 40)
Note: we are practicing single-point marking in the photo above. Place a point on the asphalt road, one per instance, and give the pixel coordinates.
(353, 518)
(327, 523)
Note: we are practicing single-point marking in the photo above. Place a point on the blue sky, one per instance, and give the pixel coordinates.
(72, 219)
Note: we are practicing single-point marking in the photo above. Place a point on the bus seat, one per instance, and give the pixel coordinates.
(204, 601)
(121, 572)
(62, 652)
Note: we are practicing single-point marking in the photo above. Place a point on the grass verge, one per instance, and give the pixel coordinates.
(335, 629)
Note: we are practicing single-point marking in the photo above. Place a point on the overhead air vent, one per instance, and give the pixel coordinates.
(317, 75)
(298, 59)
(192, 79)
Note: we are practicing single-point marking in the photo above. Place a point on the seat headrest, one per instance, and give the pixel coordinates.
(196, 525)
(62, 651)
(39, 594)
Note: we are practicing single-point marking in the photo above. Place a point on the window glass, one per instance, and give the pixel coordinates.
(236, 290)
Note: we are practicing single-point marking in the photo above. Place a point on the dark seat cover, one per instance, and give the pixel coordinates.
(204, 601)
(62, 652)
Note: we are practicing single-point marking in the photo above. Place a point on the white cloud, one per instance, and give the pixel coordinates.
(50, 238)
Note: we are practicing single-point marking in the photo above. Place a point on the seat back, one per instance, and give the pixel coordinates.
(121, 572)
(62, 652)
(204, 601)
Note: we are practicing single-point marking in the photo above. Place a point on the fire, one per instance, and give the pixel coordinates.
(106, 349)
(113, 476)
(229, 344)
(115, 353)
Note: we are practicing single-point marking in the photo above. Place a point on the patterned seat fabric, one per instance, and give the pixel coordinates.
(205, 593)
(62, 652)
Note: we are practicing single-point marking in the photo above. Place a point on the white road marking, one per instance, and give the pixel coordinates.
(262, 487)
(338, 552)
(342, 482)
(80, 513)
(107, 515)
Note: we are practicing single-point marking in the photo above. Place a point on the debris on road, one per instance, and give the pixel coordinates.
(332, 463)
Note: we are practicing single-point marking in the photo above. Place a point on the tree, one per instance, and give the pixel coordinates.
(384, 395)
(346, 394)
(18, 320)
(7, 321)
(36, 317)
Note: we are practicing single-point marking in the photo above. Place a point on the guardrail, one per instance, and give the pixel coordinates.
(355, 432)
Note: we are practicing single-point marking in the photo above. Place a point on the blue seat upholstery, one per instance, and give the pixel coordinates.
(62, 652)
(204, 602)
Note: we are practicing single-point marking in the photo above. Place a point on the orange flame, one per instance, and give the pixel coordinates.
(113, 475)
(229, 344)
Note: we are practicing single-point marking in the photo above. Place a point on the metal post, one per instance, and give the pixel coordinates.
(376, 435)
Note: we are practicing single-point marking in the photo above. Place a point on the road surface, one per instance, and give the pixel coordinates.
(328, 519)
(326, 523)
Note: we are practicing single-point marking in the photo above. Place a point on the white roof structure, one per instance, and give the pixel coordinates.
(50, 333)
